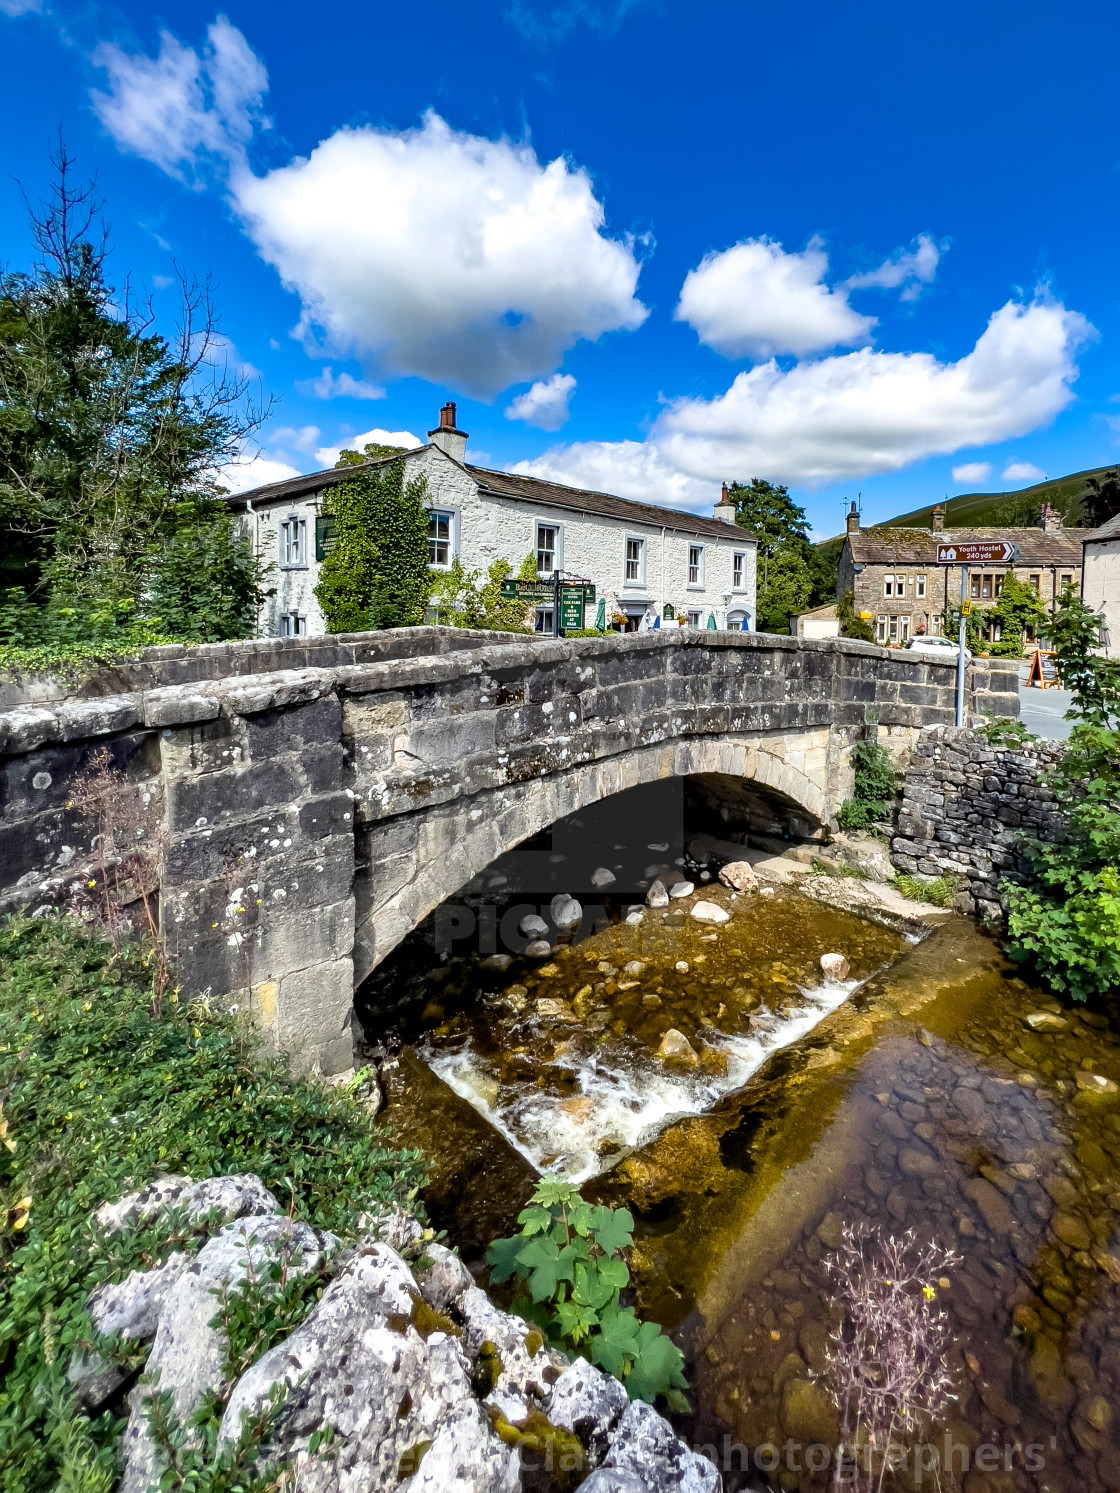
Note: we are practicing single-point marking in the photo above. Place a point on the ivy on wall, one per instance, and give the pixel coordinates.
(376, 575)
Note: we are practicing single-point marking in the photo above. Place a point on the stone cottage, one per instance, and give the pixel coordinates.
(644, 561)
(1100, 582)
(896, 583)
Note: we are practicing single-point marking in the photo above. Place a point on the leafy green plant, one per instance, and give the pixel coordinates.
(875, 785)
(462, 598)
(570, 1257)
(1010, 735)
(851, 624)
(101, 1094)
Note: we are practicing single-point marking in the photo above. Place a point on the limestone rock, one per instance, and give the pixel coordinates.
(611, 1480)
(445, 1279)
(739, 875)
(834, 967)
(138, 1207)
(1045, 1021)
(682, 889)
(550, 1007)
(709, 912)
(383, 1389)
(500, 962)
(589, 1403)
(645, 1446)
(676, 1048)
(766, 891)
(539, 948)
(533, 926)
(657, 896)
(391, 1226)
(565, 912)
(132, 1306)
(601, 878)
(243, 1196)
(1095, 1084)
(522, 1373)
(186, 1357)
(633, 968)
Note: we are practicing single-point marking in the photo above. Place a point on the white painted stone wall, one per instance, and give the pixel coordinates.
(498, 528)
(1100, 587)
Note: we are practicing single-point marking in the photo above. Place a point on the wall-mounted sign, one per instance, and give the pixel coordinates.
(982, 552)
(326, 535)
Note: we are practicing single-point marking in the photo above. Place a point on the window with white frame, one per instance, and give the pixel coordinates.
(293, 543)
(441, 538)
(894, 585)
(738, 570)
(545, 620)
(892, 629)
(920, 587)
(293, 625)
(635, 561)
(903, 629)
(881, 631)
(694, 619)
(548, 546)
(696, 565)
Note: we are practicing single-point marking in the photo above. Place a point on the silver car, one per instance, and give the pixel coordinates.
(934, 647)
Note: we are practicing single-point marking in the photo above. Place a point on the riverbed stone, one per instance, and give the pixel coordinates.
(658, 896)
(533, 926)
(682, 889)
(917, 1162)
(991, 1205)
(644, 1445)
(740, 876)
(1070, 1230)
(830, 1231)
(808, 1413)
(565, 912)
(601, 878)
(834, 967)
(709, 912)
(1045, 1021)
(676, 1048)
(538, 948)
(1094, 1086)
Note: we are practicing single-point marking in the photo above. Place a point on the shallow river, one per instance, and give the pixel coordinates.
(915, 1096)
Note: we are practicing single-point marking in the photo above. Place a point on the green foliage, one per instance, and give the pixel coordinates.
(851, 624)
(100, 1096)
(974, 627)
(785, 566)
(569, 1255)
(70, 639)
(371, 452)
(1011, 735)
(1074, 633)
(110, 433)
(1101, 500)
(1018, 610)
(874, 789)
(377, 573)
(463, 598)
(824, 563)
(939, 891)
(206, 585)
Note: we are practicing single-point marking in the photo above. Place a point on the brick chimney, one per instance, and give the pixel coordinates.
(446, 436)
(1050, 520)
(725, 509)
(937, 519)
(853, 520)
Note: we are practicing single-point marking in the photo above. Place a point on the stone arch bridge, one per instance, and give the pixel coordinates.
(303, 804)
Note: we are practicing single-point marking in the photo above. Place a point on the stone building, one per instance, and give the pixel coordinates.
(643, 560)
(896, 583)
(1100, 583)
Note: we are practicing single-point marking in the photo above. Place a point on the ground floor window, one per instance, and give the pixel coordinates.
(881, 630)
(936, 624)
(545, 620)
(293, 625)
(694, 619)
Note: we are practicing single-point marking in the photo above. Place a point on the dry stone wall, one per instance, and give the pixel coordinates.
(966, 806)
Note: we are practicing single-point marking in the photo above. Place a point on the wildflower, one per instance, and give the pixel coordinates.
(20, 1214)
(91, 883)
(928, 1292)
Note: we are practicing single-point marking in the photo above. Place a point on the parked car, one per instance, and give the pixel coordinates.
(933, 647)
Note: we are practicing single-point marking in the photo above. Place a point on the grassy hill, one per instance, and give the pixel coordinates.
(1007, 510)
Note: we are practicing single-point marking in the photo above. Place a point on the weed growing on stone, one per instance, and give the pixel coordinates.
(570, 1257)
(101, 1093)
(938, 891)
(887, 1363)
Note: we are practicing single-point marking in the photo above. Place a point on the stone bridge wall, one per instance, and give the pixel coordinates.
(965, 805)
(298, 823)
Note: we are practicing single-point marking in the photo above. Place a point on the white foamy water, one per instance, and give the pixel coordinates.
(623, 1098)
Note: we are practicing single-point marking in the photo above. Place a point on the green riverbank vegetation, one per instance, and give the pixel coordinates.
(103, 1088)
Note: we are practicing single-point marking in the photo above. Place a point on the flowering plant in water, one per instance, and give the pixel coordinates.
(887, 1363)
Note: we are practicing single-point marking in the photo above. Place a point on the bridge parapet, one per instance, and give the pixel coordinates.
(307, 818)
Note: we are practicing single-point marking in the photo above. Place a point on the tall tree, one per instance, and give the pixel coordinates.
(1102, 500)
(111, 434)
(785, 574)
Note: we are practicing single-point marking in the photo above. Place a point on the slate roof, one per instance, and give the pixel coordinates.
(1108, 530)
(517, 486)
(919, 546)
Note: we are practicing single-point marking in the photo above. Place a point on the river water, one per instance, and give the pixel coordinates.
(916, 1096)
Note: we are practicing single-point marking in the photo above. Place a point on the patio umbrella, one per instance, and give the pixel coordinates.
(711, 622)
(601, 614)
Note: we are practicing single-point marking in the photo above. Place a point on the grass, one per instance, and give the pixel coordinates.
(939, 891)
(99, 1095)
(836, 868)
(993, 509)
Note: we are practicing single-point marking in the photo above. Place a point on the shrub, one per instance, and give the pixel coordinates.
(874, 788)
(569, 1257)
(376, 574)
(100, 1095)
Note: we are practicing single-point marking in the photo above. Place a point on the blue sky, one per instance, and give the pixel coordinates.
(645, 244)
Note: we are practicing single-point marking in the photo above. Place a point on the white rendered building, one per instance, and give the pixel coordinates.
(1100, 580)
(645, 562)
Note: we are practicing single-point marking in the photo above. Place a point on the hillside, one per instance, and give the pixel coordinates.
(978, 510)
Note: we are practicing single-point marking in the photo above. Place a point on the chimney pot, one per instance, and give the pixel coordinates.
(725, 509)
(447, 416)
(853, 519)
(1050, 519)
(447, 436)
(937, 519)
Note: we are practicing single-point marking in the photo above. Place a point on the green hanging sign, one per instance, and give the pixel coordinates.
(326, 535)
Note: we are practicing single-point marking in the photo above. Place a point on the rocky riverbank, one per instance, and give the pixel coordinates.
(359, 1368)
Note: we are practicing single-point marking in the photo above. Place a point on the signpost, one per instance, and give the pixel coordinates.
(567, 595)
(972, 552)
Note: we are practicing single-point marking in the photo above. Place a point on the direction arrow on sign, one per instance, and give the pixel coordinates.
(982, 552)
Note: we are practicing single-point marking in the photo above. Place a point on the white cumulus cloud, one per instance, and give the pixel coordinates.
(326, 456)
(972, 471)
(847, 416)
(445, 255)
(182, 106)
(1022, 471)
(296, 438)
(545, 404)
(254, 471)
(344, 386)
(756, 300)
(909, 268)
